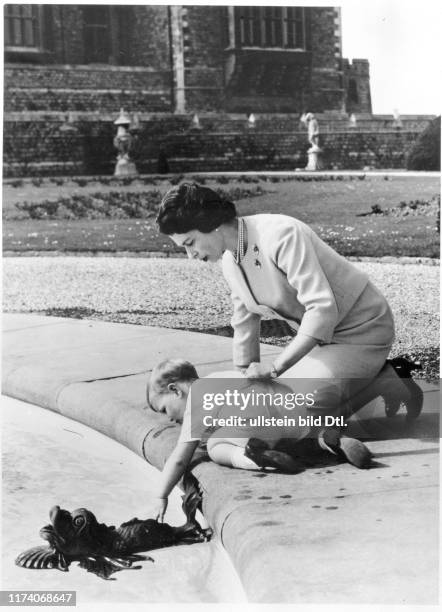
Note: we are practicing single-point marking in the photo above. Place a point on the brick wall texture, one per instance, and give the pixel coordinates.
(221, 145)
(139, 37)
(93, 89)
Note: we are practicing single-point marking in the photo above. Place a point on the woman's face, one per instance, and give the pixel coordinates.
(198, 245)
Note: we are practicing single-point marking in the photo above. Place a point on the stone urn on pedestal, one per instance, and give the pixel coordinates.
(124, 143)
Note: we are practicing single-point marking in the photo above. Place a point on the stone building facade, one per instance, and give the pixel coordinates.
(190, 75)
(178, 59)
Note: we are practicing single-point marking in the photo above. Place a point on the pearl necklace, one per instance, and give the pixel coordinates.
(240, 250)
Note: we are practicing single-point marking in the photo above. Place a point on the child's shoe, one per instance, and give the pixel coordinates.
(354, 451)
(258, 451)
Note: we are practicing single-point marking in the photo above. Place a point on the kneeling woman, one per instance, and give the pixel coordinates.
(277, 267)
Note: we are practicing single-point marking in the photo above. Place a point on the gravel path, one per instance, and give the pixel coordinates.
(164, 292)
(193, 295)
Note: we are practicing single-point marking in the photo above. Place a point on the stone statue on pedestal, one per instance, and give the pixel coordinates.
(124, 142)
(314, 153)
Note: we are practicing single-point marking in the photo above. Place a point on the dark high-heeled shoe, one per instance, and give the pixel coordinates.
(413, 399)
(258, 451)
(351, 450)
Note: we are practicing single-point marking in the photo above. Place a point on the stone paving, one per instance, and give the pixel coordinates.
(71, 465)
(331, 534)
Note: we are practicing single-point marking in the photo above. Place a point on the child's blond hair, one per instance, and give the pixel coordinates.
(166, 372)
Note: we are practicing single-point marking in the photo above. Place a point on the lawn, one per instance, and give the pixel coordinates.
(94, 217)
(89, 216)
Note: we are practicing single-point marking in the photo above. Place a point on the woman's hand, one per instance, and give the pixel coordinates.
(292, 353)
(160, 508)
(258, 370)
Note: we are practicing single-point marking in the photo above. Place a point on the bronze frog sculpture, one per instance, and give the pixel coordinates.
(104, 549)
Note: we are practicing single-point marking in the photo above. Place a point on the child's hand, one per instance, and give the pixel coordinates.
(160, 508)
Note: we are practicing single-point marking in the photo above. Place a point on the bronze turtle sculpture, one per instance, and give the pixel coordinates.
(104, 549)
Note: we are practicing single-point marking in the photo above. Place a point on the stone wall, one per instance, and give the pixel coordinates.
(224, 143)
(356, 80)
(322, 38)
(84, 77)
(137, 63)
(148, 35)
(136, 35)
(326, 91)
(68, 34)
(86, 88)
(93, 100)
(204, 41)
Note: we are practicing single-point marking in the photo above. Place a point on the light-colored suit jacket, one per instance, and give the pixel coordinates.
(300, 279)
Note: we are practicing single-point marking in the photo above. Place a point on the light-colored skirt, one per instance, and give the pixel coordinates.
(337, 371)
(360, 345)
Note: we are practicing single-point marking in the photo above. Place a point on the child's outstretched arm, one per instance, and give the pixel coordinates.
(173, 469)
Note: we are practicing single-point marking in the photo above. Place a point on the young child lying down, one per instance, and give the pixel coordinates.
(168, 392)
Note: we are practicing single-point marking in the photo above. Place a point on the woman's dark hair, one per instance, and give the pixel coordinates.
(190, 206)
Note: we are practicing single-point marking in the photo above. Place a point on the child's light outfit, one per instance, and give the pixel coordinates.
(193, 427)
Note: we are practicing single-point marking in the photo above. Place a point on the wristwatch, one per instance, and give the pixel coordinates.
(273, 371)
